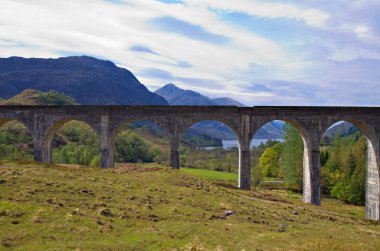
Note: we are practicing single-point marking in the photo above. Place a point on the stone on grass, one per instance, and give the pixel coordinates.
(105, 212)
(229, 213)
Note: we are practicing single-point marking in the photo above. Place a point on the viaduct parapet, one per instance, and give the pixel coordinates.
(107, 121)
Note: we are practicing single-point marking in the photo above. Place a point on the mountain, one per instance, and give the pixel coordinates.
(214, 129)
(88, 80)
(343, 129)
(226, 102)
(178, 96)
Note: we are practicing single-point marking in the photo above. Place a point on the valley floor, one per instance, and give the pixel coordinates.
(148, 207)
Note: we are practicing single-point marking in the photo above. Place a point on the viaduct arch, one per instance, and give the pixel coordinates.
(43, 121)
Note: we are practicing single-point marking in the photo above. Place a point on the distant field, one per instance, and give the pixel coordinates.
(211, 175)
(137, 208)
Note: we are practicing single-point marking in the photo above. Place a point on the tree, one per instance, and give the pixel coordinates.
(55, 98)
(351, 166)
(182, 160)
(130, 148)
(292, 158)
(268, 163)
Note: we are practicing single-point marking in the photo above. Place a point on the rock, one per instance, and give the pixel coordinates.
(295, 212)
(281, 228)
(229, 213)
(132, 197)
(105, 212)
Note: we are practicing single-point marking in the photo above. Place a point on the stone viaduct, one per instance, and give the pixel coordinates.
(107, 121)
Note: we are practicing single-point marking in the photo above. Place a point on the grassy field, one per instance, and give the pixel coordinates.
(211, 175)
(134, 207)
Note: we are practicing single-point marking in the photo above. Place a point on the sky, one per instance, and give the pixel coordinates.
(268, 52)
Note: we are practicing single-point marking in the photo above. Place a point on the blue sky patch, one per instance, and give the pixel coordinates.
(275, 29)
(183, 28)
(144, 49)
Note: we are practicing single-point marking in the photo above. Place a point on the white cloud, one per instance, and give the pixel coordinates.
(312, 17)
(50, 28)
(348, 53)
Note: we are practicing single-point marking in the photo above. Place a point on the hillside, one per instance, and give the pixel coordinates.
(153, 208)
(88, 80)
(343, 129)
(33, 97)
(226, 102)
(178, 96)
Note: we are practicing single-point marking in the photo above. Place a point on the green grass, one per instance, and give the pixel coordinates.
(79, 208)
(210, 175)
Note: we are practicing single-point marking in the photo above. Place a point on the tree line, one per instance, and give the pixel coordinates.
(343, 165)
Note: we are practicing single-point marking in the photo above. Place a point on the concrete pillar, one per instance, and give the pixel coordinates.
(174, 159)
(311, 171)
(245, 135)
(38, 152)
(244, 168)
(106, 144)
(44, 146)
(41, 153)
(174, 139)
(106, 156)
(372, 202)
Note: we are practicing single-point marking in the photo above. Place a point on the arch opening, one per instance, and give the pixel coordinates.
(16, 142)
(278, 156)
(72, 142)
(349, 165)
(140, 141)
(210, 149)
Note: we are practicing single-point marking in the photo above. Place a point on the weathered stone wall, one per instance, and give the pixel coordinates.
(107, 121)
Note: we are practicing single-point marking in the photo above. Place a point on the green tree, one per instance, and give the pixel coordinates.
(130, 148)
(292, 158)
(56, 98)
(182, 160)
(268, 163)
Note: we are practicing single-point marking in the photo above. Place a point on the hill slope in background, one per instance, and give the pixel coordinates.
(88, 80)
(343, 129)
(226, 102)
(178, 96)
(33, 97)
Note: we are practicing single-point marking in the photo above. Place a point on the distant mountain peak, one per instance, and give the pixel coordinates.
(177, 96)
(170, 86)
